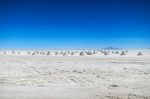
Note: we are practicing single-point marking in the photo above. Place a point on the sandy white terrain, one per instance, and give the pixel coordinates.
(74, 74)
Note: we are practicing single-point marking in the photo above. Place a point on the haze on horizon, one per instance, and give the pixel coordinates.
(74, 24)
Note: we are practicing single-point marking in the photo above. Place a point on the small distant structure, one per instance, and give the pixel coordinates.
(140, 54)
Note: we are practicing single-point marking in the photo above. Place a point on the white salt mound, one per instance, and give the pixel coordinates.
(82, 54)
(65, 54)
(89, 53)
(117, 52)
(123, 53)
(44, 53)
(106, 53)
(139, 54)
(56, 53)
(72, 53)
(34, 53)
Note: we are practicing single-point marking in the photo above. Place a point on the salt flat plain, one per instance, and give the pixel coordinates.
(71, 76)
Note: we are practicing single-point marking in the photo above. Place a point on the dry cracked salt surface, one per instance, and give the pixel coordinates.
(75, 77)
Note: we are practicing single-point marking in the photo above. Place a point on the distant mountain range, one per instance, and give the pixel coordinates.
(111, 48)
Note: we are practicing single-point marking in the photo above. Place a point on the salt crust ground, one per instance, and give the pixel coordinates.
(75, 77)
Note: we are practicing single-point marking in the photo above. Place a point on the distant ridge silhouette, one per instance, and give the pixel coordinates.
(111, 48)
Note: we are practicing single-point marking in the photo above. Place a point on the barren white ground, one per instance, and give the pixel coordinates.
(75, 77)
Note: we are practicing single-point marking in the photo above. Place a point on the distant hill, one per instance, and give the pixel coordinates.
(111, 48)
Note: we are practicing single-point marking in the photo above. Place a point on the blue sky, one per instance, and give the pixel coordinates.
(74, 24)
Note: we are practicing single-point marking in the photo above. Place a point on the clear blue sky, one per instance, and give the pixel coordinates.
(74, 24)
